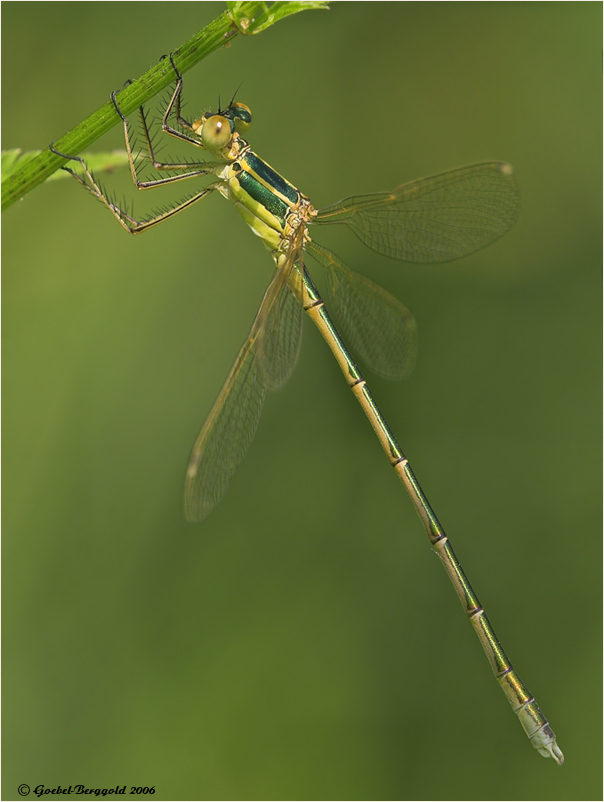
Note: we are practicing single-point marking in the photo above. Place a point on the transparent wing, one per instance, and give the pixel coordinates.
(265, 361)
(278, 343)
(434, 219)
(377, 325)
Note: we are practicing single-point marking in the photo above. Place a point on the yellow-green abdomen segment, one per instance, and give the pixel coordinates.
(262, 196)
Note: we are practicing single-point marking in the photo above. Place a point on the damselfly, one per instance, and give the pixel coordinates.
(434, 219)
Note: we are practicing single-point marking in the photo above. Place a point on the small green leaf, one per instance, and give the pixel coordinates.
(96, 162)
(253, 18)
(9, 157)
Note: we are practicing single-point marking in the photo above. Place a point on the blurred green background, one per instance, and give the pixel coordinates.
(304, 643)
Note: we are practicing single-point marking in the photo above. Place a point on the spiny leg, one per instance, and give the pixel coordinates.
(158, 165)
(200, 168)
(175, 104)
(129, 223)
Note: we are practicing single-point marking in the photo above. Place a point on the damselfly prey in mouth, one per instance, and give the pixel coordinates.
(434, 219)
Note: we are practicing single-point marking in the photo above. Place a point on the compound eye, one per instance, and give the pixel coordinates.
(216, 132)
(242, 116)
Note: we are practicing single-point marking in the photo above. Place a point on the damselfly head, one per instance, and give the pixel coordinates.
(216, 129)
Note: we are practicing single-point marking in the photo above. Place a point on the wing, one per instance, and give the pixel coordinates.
(265, 361)
(280, 335)
(435, 219)
(380, 329)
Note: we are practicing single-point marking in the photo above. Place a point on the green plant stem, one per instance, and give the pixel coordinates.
(215, 35)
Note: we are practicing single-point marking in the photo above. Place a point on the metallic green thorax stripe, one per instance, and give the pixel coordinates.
(270, 178)
(266, 187)
(262, 195)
